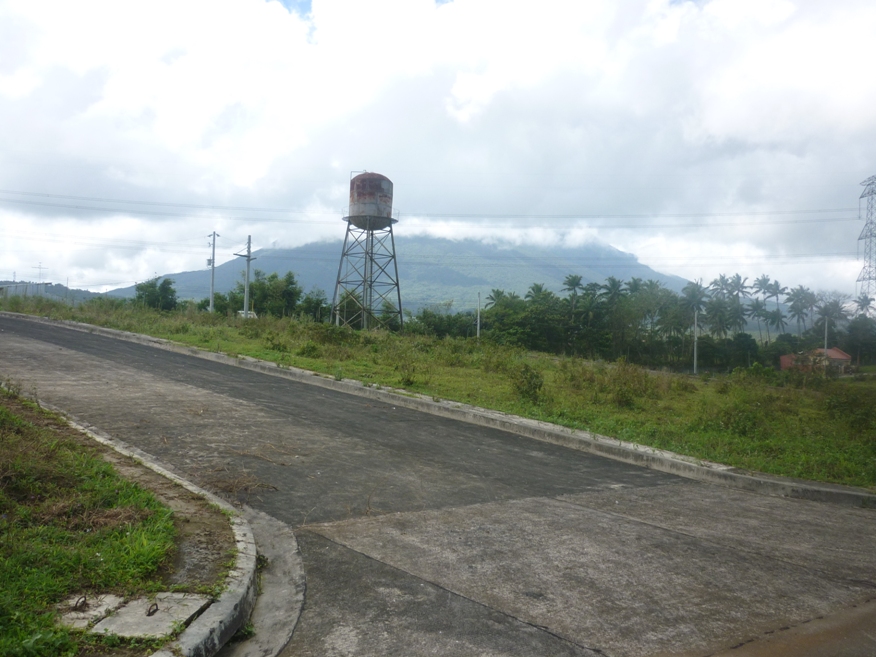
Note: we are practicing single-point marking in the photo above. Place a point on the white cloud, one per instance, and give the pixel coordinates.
(477, 107)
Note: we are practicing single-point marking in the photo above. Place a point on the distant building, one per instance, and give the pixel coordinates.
(23, 289)
(817, 358)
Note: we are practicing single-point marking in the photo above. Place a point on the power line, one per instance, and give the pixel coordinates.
(530, 218)
(423, 259)
(629, 216)
(414, 214)
(155, 203)
(152, 213)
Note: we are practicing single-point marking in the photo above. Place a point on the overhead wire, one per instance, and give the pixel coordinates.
(793, 216)
(530, 218)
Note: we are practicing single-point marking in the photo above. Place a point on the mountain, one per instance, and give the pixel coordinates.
(435, 271)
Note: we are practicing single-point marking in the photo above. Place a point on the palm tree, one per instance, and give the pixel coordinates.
(776, 290)
(717, 316)
(798, 300)
(736, 315)
(776, 319)
(635, 285)
(737, 287)
(612, 291)
(536, 292)
(720, 287)
(761, 285)
(832, 309)
(694, 297)
(864, 303)
(571, 284)
(495, 298)
(756, 309)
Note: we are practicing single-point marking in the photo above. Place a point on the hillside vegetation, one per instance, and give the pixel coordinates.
(798, 424)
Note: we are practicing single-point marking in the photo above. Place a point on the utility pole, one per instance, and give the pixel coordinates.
(825, 335)
(696, 312)
(40, 279)
(479, 315)
(212, 263)
(867, 277)
(249, 259)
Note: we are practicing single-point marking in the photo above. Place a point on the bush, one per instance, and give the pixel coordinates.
(682, 384)
(577, 374)
(527, 382)
(275, 342)
(625, 383)
(855, 406)
(309, 350)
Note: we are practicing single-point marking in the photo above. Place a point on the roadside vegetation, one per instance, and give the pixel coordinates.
(68, 526)
(805, 424)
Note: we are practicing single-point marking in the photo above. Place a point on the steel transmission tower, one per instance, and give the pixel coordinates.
(867, 277)
(367, 293)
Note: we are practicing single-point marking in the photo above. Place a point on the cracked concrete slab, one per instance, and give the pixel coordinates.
(80, 611)
(153, 617)
(584, 573)
(793, 530)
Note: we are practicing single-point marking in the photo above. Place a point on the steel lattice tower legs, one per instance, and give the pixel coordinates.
(867, 277)
(367, 293)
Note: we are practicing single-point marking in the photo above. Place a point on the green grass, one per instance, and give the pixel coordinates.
(68, 525)
(802, 426)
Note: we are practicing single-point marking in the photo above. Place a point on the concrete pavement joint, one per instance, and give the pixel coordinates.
(706, 541)
(217, 624)
(618, 450)
(540, 628)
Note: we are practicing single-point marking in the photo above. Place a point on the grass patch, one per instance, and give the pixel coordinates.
(68, 525)
(797, 425)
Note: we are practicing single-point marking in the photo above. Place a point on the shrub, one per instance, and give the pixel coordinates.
(625, 383)
(493, 358)
(309, 350)
(576, 373)
(855, 406)
(527, 382)
(275, 342)
(682, 384)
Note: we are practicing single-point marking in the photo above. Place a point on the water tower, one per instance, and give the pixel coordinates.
(367, 294)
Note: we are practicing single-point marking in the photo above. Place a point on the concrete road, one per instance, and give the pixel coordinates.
(427, 536)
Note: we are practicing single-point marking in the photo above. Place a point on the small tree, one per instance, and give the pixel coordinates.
(268, 294)
(315, 304)
(152, 294)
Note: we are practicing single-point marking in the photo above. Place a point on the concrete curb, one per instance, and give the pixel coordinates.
(648, 457)
(218, 623)
(282, 586)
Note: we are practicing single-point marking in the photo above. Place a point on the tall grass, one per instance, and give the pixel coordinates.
(68, 526)
(798, 425)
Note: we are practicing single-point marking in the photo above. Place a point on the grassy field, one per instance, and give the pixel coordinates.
(68, 525)
(804, 426)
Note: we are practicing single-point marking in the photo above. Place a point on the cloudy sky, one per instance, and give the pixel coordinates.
(706, 137)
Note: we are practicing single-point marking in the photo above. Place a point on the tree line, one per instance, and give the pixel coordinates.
(644, 322)
(736, 323)
(269, 294)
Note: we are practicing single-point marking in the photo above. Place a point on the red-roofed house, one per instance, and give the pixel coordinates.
(835, 357)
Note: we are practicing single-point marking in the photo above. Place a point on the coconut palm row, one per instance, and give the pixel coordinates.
(729, 302)
(627, 317)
